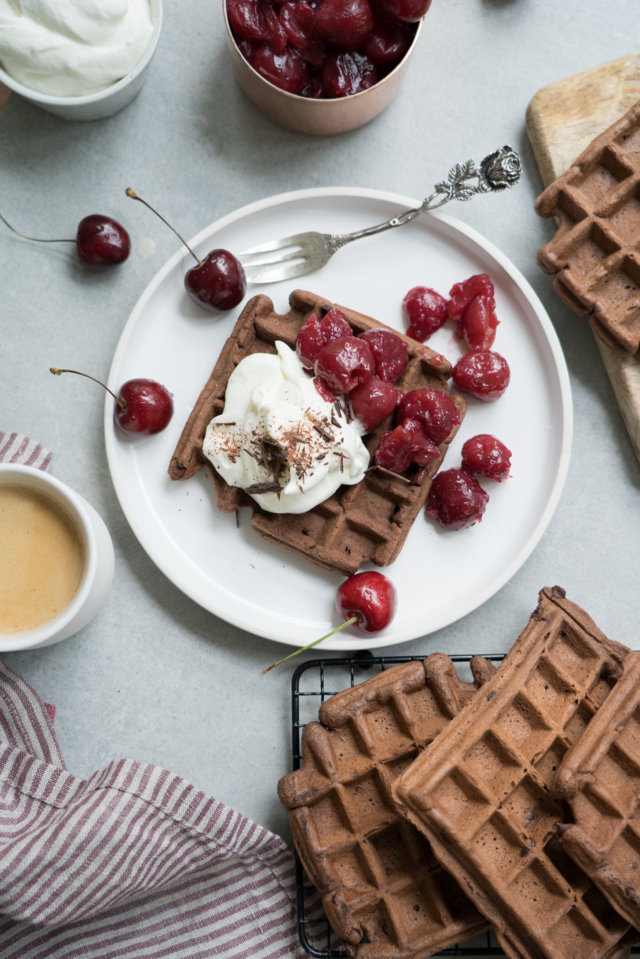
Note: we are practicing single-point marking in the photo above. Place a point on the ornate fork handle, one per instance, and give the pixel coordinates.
(498, 171)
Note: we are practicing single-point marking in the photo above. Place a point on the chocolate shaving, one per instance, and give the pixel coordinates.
(266, 487)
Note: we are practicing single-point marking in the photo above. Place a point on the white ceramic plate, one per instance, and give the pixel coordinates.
(440, 576)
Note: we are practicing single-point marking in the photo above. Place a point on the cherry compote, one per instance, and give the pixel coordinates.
(403, 445)
(483, 374)
(372, 401)
(425, 310)
(344, 363)
(456, 499)
(485, 455)
(433, 408)
(390, 352)
(324, 48)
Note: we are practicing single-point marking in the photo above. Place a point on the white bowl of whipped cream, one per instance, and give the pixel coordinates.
(78, 59)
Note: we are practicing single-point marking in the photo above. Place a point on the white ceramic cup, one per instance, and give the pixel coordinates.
(103, 103)
(98, 559)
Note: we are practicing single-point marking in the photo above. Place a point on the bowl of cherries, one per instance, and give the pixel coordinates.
(322, 66)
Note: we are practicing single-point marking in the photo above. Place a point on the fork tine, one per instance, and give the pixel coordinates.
(267, 257)
(274, 272)
(295, 240)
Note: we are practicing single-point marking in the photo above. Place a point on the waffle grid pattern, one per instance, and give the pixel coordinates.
(595, 252)
(383, 890)
(599, 779)
(367, 522)
(485, 800)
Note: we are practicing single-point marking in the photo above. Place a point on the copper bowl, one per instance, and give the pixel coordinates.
(316, 117)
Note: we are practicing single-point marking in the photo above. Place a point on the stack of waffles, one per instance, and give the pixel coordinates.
(427, 809)
(367, 522)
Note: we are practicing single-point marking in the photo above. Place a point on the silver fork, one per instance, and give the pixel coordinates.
(306, 252)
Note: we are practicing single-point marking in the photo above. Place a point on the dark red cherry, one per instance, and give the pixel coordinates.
(403, 11)
(298, 21)
(246, 19)
(344, 23)
(486, 456)
(102, 241)
(344, 363)
(387, 43)
(285, 69)
(345, 74)
(148, 406)
(482, 373)
(425, 310)
(433, 408)
(372, 401)
(141, 406)
(366, 601)
(368, 596)
(403, 445)
(456, 499)
(390, 352)
(217, 282)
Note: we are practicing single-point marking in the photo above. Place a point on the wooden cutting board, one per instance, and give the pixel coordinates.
(562, 120)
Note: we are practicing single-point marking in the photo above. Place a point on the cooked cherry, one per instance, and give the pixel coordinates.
(456, 499)
(461, 294)
(403, 445)
(324, 389)
(425, 310)
(246, 19)
(316, 333)
(390, 352)
(387, 43)
(345, 23)
(298, 22)
(344, 363)
(403, 11)
(309, 341)
(433, 408)
(276, 34)
(482, 373)
(334, 324)
(345, 74)
(487, 456)
(372, 401)
(478, 322)
(286, 70)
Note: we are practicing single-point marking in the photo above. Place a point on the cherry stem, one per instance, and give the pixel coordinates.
(36, 239)
(348, 622)
(134, 196)
(121, 403)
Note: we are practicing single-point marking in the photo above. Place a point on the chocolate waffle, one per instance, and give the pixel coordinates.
(481, 793)
(595, 252)
(368, 521)
(384, 893)
(600, 779)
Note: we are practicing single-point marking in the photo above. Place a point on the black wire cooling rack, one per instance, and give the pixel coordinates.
(312, 683)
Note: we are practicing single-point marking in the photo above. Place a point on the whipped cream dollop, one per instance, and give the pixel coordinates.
(279, 440)
(69, 48)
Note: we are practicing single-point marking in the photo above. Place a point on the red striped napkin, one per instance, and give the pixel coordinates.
(133, 862)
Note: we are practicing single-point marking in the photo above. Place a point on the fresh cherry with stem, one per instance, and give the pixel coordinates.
(142, 406)
(366, 600)
(218, 282)
(100, 240)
